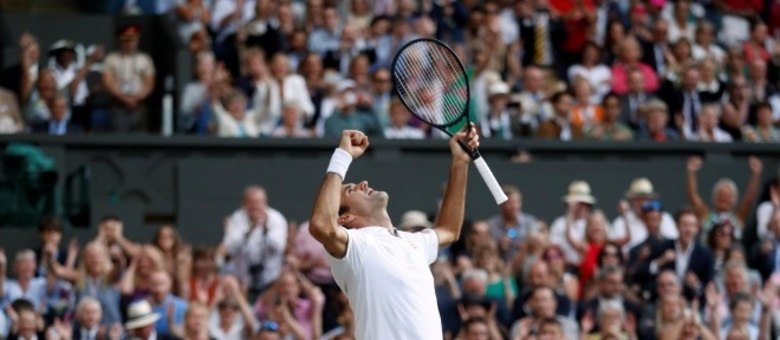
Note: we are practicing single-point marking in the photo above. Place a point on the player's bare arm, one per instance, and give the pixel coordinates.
(450, 217)
(323, 223)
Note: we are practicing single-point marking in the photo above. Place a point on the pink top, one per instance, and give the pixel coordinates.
(620, 78)
(312, 253)
(301, 311)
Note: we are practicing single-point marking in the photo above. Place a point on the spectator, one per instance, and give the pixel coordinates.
(176, 254)
(10, 117)
(225, 322)
(612, 320)
(255, 238)
(686, 103)
(651, 248)
(233, 120)
(539, 31)
(351, 45)
(474, 283)
(708, 126)
(711, 88)
(560, 126)
(201, 285)
(264, 29)
(71, 77)
(50, 234)
(765, 253)
(295, 304)
(37, 108)
(720, 240)
(584, 112)
(631, 104)
(762, 88)
(288, 87)
(724, 197)
(763, 131)
(610, 127)
(20, 78)
(629, 55)
(640, 191)
(226, 18)
(681, 26)
(269, 330)
(25, 325)
(657, 129)
(579, 204)
(165, 303)
(381, 88)
(594, 71)
(399, 127)
(475, 329)
(192, 16)
(347, 115)
(291, 123)
(88, 320)
(326, 38)
(196, 99)
(26, 286)
(59, 122)
(755, 47)
(534, 105)
(473, 307)
(501, 285)
(511, 227)
(542, 306)
(704, 46)
(141, 321)
(196, 324)
(496, 121)
(656, 51)
(547, 273)
(137, 282)
(129, 77)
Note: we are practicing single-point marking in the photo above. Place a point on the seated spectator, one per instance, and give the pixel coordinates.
(543, 274)
(708, 130)
(735, 286)
(227, 16)
(88, 320)
(474, 282)
(37, 108)
(613, 321)
(202, 282)
(560, 126)
(128, 75)
(59, 122)
(381, 90)
(500, 285)
(764, 130)
(348, 115)
(496, 122)
(141, 321)
(534, 104)
(711, 88)
(326, 37)
(594, 71)
(474, 307)
(291, 123)
(704, 46)
(233, 318)
(755, 46)
(25, 286)
(166, 303)
(610, 127)
(542, 306)
(192, 16)
(196, 99)
(639, 192)
(10, 116)
(584, 112)
(176, 253)
(511, 226)
(255, 239)
(233, 120)
(629, 54)
(656, 128)
(295, 304)
(631, 104)
(400, 127)
(137, 282)
(476, 328)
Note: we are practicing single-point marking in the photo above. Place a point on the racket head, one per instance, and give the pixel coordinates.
(432, 83)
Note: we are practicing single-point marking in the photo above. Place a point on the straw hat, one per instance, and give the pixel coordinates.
(579, 191)
(414, 218)
(498, 88)
(641, 187)
(140, 314)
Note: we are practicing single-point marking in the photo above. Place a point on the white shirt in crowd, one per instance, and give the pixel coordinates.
(558, 236)
(262, 245)
(388, 282)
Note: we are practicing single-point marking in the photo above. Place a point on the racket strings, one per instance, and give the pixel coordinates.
(431, 82)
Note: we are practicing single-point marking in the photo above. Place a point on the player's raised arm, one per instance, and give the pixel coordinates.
(450, 217)
(323, 224)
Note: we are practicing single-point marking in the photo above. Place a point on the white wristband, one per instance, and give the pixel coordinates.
(339, 162)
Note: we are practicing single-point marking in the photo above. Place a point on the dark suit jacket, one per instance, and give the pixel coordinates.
(638, 271)
(701, 263)
(765, 263)
(70, 129)
(556, 32)
(648, 54)
(62, 256)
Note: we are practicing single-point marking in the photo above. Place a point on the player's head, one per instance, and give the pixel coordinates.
(360, 204)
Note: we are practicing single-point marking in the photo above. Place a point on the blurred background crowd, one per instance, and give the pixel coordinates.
(555, 69)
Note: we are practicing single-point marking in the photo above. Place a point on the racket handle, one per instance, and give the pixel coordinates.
(490, 180)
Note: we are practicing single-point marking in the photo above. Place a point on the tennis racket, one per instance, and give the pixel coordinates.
(432, 83)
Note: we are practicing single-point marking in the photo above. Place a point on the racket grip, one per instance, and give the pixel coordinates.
(490, 180)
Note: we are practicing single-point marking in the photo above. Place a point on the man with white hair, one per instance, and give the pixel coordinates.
(26, 285)
(88, 317)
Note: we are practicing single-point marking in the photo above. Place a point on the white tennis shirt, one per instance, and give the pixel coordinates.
(389, 284)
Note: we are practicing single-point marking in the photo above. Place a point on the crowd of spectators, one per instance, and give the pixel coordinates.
(707, 271)
(555, 69)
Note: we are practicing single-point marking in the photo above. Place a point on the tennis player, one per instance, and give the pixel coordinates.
(383, 271)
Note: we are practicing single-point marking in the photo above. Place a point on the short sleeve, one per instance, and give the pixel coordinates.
(427, 241)
(355, 250)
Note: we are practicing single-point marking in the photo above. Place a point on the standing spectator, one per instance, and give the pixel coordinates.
(50, 234)
(511, 227)
(166, 304)
(71, 77)
(225, 323)
(560, 125)
(129, 77)
(263, 30)
(26, 286)
(59, 122)
(25, 324)
(193, 16)
(137, 281)
(226, 18)
(724, 197)
(202, 284)
(640, 191)
(176, 253)
(20, 78)
(255, 238)
(650, 249)
(579, 203)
